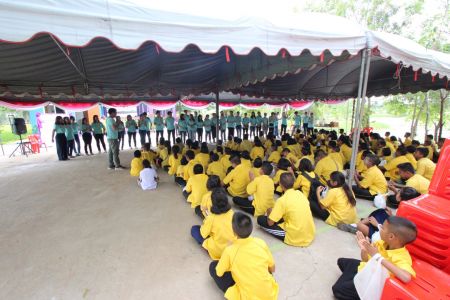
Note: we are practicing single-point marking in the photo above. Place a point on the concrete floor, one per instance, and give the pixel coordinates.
(75, 230)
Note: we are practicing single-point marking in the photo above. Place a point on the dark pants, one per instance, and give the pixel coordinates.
(239, 130)
(380, 215)
(213, 132)
(87, 139)
(252, 131)
(113, 153)
(195, 232)
(283, 129)
(198, 212)
(61, 146)
(305, 128)
(273, 230)
(183, 136)
(171, 133)
(77, 141)
(159, 134)
(180, 181)
(231, 132)
(344, 288)
(245, 129)
(244, 204)
(121, 137)
(70, 146)
(142, 135)
(391, 201)
(362, 193)
(132, 135)
(317, 211)
(99, 138)
(200, 134)
(224, 282)
(147, 132)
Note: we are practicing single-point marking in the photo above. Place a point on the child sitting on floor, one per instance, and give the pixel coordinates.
(136, 164)
(396, 232)
(196, 186)
(216, 233)
(215, 167)
(204, 208)
(257, 163)
(148, 178)
(245, 268)
(179, 177)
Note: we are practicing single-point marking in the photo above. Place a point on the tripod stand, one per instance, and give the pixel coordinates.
(22, 146)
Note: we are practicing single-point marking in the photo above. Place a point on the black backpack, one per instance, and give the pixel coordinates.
(315, 183)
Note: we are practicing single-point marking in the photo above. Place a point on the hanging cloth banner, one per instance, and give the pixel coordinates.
(301, 105)
(195, 104)
(23, 105)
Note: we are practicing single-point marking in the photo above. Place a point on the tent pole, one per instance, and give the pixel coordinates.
(217, 118)
(362, 89)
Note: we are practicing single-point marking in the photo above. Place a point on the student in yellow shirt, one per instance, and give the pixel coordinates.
(373, 182)
(261, 191)
(339, 203)
(245, 159)
(246, 145)
(205, 206)
(396, 233)
(148, 154)
(196, 186)
(325, 165)
(179, 177)
(390, 168)
(225, 160)
(245, 268)
(425, 166)
(410, 155)
(274, 156)
(215, 167)
(305, 179)
(284, 166)
(174, 160)
(189, 169)
(203, 157)
(216, 233)
(257, 163)
(257, 150)
(286, 153)
(238, 179)
(290, 220)
(408, 140)
(164, 155)
(346, 149)
(336, 154)
(136, 164)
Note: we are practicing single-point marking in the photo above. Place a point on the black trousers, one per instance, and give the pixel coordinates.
(77, 141)
(70, 146)
(180, 181)
(183, 136)
(344, 288)
(239, 130)
(252, 131)
(121, 136)
(99, 138)
(198, 212)
(362, 193)
(200, 134)
(213, 132)
(87, 139)
(142, 135)
(231, 132)
(283, 129)
(171, 133)
(245, 129)
(61, 146)
(244, 204)
(273, 230)
(305, 128)
(318, 211)
(224, 282)
(132, 135)
(159, 134)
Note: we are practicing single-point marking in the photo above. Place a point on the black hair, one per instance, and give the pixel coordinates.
(175, 151)
(178, 140)
(245, 155)
(266, 167)
(382, 142)
(424, 151)
(219, 149)
(305, 165)
(319, 154)
(257, 163)
(198, 169)
(146, 164)
(213, 182)
(204, 149)
(147, 146)
(406, 167)
(190, 154)
(287, 180)
(242, 225)
(258, 143)
(214, 157)
(168, 147)
(137, 153)
(415, 143)
(386, 151)
(345, 140)
(374, 160)
(112, 110)
(402, 150)
(403, 229)
(408, 193)
(235, 159)
(283, 164)
(219, 199)
(339, 178)
(411, 149)
(183, 161)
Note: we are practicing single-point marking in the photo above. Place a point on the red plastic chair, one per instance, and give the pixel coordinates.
(367, 130)
(430, 283)
(34, 142)
(440, 183)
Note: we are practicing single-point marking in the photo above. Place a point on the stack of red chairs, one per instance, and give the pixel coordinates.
(431, 250)
(34, 142)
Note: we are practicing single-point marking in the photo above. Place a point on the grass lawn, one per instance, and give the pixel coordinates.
(6, 136)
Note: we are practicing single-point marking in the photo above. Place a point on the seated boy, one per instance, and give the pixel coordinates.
(215, 167)
(291, 219)
(396, 232)
(148, 178)
(196, 186)
(262, 190)
(136, 164)
(373, 182)
(237, 179)
(204, 208)
(245, 268)
(425, 166)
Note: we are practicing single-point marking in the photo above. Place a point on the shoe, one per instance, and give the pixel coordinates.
(110, 168)
(78, 154)
(347, 228)
(119, 168)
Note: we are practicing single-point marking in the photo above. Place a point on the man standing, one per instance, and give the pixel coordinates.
(305, 123)
(159, 126)
(230, 124)
(214, 126)
(112, 135)
(170, 124)
(297, 121)
(238, 121)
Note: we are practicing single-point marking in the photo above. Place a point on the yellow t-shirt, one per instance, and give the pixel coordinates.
(249, 261)
(148, 155)
(216, 168)
(225, 161)
(412, 160)
(430, 152)
(180, 171)
(246, 145)
(341, 211)
(346, 152)
(257, 152)
(262, 189)
(391, 167)
(256, 172)
(360, 165)
(407, 142)
(425, 167)
(238, 179)
(338, 157)
(218, 233)
(292, 158)
(293, 208)
(246, 162)
(196, 186)
(399, 257)
(303, 183)
(274, 157)
(206, 203)
(276, 179)
(203, 159)
(189, 169)
(173, 164)
(420, 183)
(164, 155)
(325, 167)
(295, 150)
(136, 166)
(374, 181)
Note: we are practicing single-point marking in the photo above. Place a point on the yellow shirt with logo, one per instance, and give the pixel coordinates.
(218, 233)
(341, 211)
(293, 208)
(262, 189)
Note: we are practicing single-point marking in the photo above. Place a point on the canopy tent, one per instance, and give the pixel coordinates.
(115, 50)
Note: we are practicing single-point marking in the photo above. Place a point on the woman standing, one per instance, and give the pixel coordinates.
(61, 141)
(283, 124)
(253, 123)
(192, 127)
(99, 131)
(76, 130)
(207, 123)
(131, 130)
(143, 128)
(69, 136)
(182, 127)
(120, 131)
(86, 130)
(200, 128)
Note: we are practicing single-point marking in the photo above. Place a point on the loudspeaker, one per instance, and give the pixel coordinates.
(19, 126)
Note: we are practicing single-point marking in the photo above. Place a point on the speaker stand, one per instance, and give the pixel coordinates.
(22, 146)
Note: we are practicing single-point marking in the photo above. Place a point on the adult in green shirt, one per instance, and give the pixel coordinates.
(199, 123)
(99, 131)
(245, 123)
(170, 125)
(76, 136)
(131, 126)
(253, 123)
(231, 123)
(121, 131)
(238, 121)
(59, 132)
(112, 134)
(86, 130)
(223, 125)
(182, 127)
(159, 126)
(143, 128)
(207, 123)
(69, 136)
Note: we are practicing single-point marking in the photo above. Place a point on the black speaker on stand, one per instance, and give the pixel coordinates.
(19, 127)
